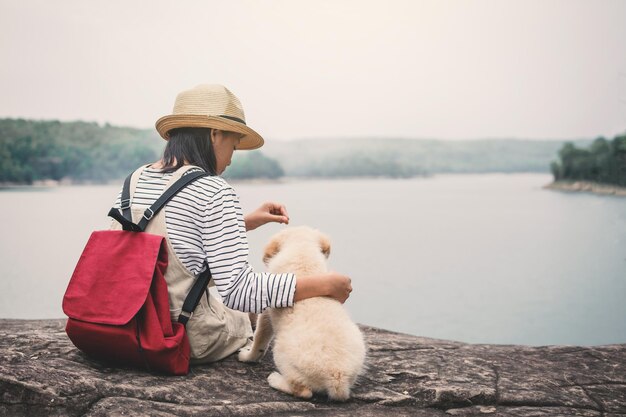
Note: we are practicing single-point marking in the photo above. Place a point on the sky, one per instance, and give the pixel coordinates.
(531, 69)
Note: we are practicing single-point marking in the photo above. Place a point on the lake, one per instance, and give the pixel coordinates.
(490, 258)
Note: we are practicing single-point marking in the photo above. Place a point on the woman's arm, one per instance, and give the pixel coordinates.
(332, 285)
(327, 285)
(242, 288)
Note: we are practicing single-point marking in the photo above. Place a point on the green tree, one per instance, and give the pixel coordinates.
(604, 161)
(253, 164)
(37, 150)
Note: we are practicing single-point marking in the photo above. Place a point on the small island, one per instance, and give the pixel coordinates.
(600, 169)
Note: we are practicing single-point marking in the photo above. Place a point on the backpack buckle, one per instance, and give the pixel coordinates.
(147, 215)
(184, 317)
(125, 204)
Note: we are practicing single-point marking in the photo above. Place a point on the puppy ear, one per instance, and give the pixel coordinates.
(271, 250)
(325, 245)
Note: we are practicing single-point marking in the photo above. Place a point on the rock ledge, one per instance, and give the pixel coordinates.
(41, 373)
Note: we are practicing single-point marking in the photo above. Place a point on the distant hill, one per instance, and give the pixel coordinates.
(32, 150)
(408, 157)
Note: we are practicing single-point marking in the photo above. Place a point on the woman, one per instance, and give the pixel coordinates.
(204, 224)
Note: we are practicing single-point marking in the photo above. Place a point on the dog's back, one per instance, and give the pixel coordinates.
(317, 345)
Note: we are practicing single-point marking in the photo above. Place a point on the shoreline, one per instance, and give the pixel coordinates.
(587, 186)
(66, 182)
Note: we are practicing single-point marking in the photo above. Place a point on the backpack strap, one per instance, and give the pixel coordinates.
(194, 295)
(150, 212)
(125, 199)
(126, 224)
(130, 183)
(171, 191)
(180, 179)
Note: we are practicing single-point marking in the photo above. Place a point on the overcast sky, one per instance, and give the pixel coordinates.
(424, 69)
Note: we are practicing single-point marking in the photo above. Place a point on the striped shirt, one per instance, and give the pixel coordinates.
(205, 222)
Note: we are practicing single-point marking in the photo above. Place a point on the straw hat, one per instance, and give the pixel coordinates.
(210, 105)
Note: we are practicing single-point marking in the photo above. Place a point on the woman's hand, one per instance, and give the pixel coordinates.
(331, 284)
(340, 286)
(267, 213)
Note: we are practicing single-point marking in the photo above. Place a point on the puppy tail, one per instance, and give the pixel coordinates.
(339, 386)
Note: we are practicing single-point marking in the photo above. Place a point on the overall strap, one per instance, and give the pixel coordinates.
(179, 173)
(175, 175)
(179, 180)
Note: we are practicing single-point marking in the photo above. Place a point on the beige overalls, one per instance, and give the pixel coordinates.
(215, 331)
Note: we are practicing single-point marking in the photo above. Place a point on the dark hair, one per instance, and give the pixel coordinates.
(189, 145)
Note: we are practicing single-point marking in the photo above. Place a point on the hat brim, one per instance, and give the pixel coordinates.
(250, 140)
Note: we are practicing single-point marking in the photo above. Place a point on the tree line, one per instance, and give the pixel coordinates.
(85, 151)
(604, 161)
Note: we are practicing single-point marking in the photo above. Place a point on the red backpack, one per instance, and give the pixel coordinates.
(117, 300)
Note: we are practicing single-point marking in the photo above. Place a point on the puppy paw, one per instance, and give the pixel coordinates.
(249, 355)
(277, 382)
(301, 391)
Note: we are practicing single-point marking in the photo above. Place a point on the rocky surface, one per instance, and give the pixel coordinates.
(41, 373)
(588, 186)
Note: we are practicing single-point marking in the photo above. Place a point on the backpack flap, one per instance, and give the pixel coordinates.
(113, 276)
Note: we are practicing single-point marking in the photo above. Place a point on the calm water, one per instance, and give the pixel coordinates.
(476, 258)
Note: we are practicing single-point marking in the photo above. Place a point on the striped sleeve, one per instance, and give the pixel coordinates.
(226, 246)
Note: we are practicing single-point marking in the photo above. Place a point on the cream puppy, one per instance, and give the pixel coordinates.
(317, 347)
